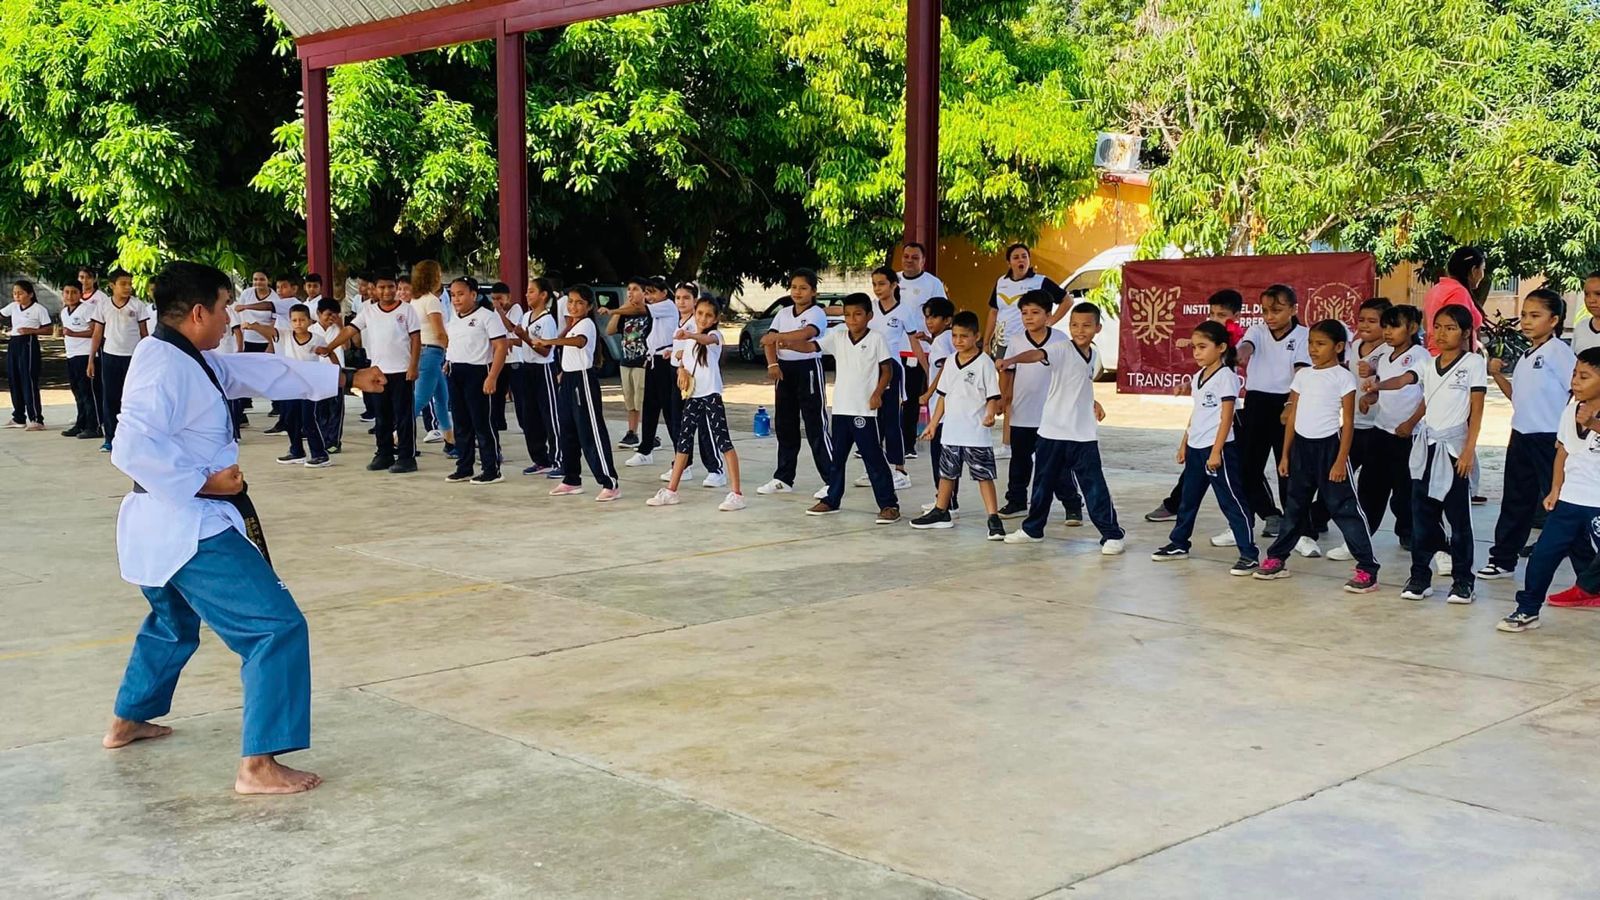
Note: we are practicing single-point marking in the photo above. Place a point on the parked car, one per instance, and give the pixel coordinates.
(750, 335)
(607, 297)
(1086, 278)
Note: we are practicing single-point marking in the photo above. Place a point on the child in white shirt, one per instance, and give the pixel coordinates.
(330, 412)
(24, 362)
(937, 314)
(300, 416)
(969, 399)
(862, 373)
(120, 323)
(700, 386)
(583, 424)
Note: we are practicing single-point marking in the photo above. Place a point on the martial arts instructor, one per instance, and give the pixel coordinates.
(188, 534)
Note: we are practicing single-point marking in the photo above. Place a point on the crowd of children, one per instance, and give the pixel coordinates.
(1359, 418)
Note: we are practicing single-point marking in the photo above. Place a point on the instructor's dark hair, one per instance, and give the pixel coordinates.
(181, 286)
(1217, 333)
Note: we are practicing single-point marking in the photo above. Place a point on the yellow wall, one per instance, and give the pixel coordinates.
(1117, 213)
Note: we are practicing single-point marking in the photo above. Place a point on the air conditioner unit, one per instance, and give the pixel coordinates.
(1117, 152)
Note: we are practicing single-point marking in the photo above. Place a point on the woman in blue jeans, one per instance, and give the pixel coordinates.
(431, 386)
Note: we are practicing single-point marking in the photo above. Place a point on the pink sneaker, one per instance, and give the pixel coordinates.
(566, 490)
(1271, 568)
(34, 426)
(607, 495)
(1361, 583)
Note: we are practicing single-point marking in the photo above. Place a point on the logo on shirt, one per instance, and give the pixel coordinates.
(1290, 345)
(970, 378)
(1208, 400)
(1538, 362)
(1459, 379)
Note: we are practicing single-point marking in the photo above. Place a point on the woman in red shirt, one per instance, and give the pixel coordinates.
(1462, 275)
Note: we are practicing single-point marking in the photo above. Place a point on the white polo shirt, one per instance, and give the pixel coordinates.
(35, 316)
(579, 359)
(1319, 412)
(1030, 383)
(121, 325)
(896, 327)
(255, 317)
(1448, 394)
(1541, 385)
(387, 335)
(1584, 336)
(1395, 407)
(291, 348)
(472, 337)
(1379, 350)
(707, 375)
(943, 347)
(1069, 406)
(328, 335)
(1582, 469)
(966, 389)
(855, 370)
(541, 325)
(786, 321)
(80, 318)
(1008, 294)
(1209, 394)
(1273, 360)
(663, 325)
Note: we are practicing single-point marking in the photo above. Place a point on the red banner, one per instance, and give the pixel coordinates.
(1163, 300)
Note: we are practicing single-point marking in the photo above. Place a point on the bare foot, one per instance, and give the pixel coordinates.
(125, 731)
(265, 775)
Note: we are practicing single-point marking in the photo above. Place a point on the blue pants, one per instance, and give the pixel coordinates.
(329, 414)
(1569, 530)
(889, 426)
(1530, 459)
(1056, 465)
(1227, 484)
(23, 366)
(862, 433)
(227, 585)
(1427, 527)
(1310, 462)
(431, 386)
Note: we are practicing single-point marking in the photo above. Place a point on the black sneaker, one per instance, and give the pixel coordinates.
(91, 434)
(380, 463)
(1170, 551)
(318, 462)
(272, 414)
(1074, 518)
(290, 459)
(911, 454)
(488, 478)
(1160, 514)
(997, 530)
(74, 431)
(458, 477)
(1492, 571)
(1416, 590)
(1271, 526)
(1460, 593)
(1013, 510)
(403, 467)
(369, 417)
(629, 441)
(1518, 622)
(937, 518)
(1242, 567)
(275, 428)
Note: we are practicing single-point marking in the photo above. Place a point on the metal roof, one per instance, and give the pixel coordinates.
(307, 17)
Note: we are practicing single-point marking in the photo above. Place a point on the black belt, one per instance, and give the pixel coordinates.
(247, 512)
(435, 346)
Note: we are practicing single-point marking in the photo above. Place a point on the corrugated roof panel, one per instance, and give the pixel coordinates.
(307, 17)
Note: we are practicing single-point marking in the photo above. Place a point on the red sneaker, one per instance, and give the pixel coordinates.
(1575, 597)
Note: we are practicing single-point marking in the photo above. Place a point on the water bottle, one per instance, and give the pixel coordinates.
(763, 423)
(922, 418)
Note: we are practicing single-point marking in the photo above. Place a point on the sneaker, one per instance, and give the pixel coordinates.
(91, 434)
(372, 430)
(1518, 622)
(1113, 547)
(901, 480)
(1362, 582)
(714, 480)
(335, 448)
(105, 447)
(1242, 566)
(1479, 501)
(630, 441)
(863, 480)
(1460, 594)
(403, 467)
(433, 437)
(556, 473)
(1224, 539)
(1022, 537)
(1160, 514)
(487, 478)
(1443, 564)
(318, 462)
(1308, 548)
(1492, 572)
(72, 432)
(1340, 553)
(774, 487)
(888, 516)
(1170, 551)
(640, 459)
(368, 417)
(954, 513)
(1271, 526)
(1575, 598)
(997, 528)
(732, 503)
(911, 454)
(450, 451)
(275, 428)
(566, 490)
(938, 518)
(1271, 569)
(458, 477)
(1002, 452)
(11, 424)
(688, 473)
(822, 509)
(821, 494)
(536, 470)
(1415, 590)
(34, 426)
(663, 497)
(607, 495)
(292, 459)
(1073, 519)
(1013, 510)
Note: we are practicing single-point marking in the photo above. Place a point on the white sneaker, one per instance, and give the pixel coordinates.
(1224, 539)
(688, 473)
(640, 459)
(1340, 553)
(1002, 452)
(433, 437)
(1112, 547)
(1022, 537)
(1443, 564)
(716, 480)
(733, 502)
(663, 497)
(1308, 548)
(774, 487)
(901, 480)
(821, 494)
(863, 481)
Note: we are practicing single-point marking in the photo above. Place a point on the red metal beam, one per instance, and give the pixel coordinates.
(475, 20)
(511, 100)
(319, 199)
(922, 125)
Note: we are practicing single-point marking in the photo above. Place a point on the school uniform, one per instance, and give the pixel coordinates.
(386, 336)
(895, 326)
(24, 361)
(1570, 529)
(543, 428)
(710, 456)
(1585, 336)
(704, 416)
(1273, 361)
(1006, 299)
(1030, 385)
(914, 292)
(119, 338)
(855, 423)
(1541, 385)
(940, 352)
(1365, 422)
(198, 559)
(81, 318)
(300, 416)
(583, 424)
(254, 342)
(1386, 479)
(469, 360)
(965, 390)
(1436, 490)
(1069, 442)
(1209, 394)
(1318, 432)
(800, 397)
(659, 377)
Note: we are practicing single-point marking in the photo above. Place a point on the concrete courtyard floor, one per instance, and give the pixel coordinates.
(525, 696)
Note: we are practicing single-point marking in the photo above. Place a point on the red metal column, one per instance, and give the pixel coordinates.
(511, 89)
(922, 125)
(319, 201)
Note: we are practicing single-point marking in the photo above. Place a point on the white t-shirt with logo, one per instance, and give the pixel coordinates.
(1448, 394)
(291, 348)
(855, 370)
(1395, 407)
(387, 335)
(80, 318)
(1030, 383)
(472, 337)
(896, 327)
(541, 325)
(1273, 360)
(707, 375)
(1369, 418)
(1582, 469)
(1008, 295)
(328, 335)
(579, 359)
(121, 325)
(256, 317)
(943, 347)
(35, 316)
(1584, 336)
(1209, 395)
(1541, 384)
(966, 389)
(1069, 406)
(786, 321)
(1319, 411)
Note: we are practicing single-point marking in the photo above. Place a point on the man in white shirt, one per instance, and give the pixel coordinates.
(917, 286)
(189, 537)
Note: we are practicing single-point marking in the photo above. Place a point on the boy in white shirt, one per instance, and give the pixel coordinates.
(120, 323)
(299, 417)
(29, 320)
(391, 333)
(543, 429)
(330, 412)
(583, 424)
(474, 362)
(861, 375)
(969, 399)
(1585, 333)
(938, 313)
(77, 328)
(659, 374)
